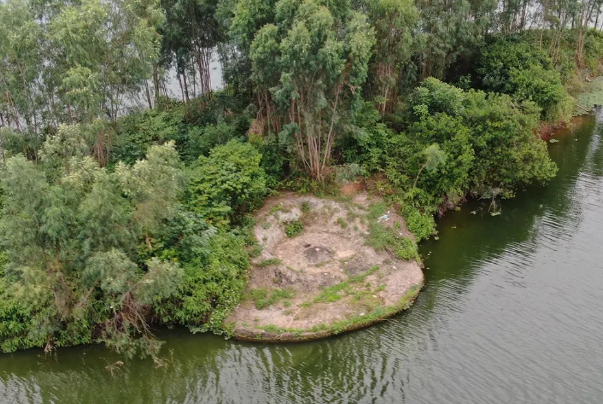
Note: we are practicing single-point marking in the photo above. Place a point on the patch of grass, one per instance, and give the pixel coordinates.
(383, 238)
(294, 228)
(275, 208)
(305, 206)
(375, 314)
(361, 277)
(272, 328)
(336, 292)
(376, 210)
(332, 293)
(255, 251)
(342, 223)
(266, 225)
(267, 263)
(264, 297)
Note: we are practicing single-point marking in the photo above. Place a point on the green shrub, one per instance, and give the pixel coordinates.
(305, 206)
(293, 228)
(518, 68)
(488, 141)
(384, 238)
(422, 225)
(269, 262)
(195, 128)
(228, 183)
(212, 287)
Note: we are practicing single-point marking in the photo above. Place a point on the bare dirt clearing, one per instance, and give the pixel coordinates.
(316, 274)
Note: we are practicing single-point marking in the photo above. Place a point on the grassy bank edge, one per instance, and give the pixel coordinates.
(277, 334)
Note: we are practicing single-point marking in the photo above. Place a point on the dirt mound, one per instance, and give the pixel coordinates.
(316, 275)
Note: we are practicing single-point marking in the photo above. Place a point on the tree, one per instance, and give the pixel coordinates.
(189, 37)
(20, 63)
(73, 62)
(449, 30)
(322, 53)
(484, 142)
(394, 22)
(248, 16)
(71, 232)
(434, 157)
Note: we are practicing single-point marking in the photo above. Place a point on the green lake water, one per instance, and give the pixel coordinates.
(512, 312)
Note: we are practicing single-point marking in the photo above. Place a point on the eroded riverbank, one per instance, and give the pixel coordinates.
(323, 268)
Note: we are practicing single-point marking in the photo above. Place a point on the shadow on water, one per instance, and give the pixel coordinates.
(495, 286)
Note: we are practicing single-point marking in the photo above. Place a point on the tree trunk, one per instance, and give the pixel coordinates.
(414, 185)
(181, 88)
(146, 85)
(185, 86)
(156, 82)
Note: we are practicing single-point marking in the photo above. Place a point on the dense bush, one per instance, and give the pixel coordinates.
(365, 140)
(228, 183)
(518, 68)
(195, 128)
(93, 255)
(488, 143)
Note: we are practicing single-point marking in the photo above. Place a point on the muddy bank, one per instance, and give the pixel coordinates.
(320, 270)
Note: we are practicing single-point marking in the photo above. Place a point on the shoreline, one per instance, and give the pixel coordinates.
(293, 335)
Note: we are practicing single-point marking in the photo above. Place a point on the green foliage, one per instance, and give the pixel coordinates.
(367, 140)
(306, 207)
(293, 228)
(77, 267)
(421, 224)
(394, 22)
(320, 52)
(212, 286)
(269, 262)
(61, 67)
(92, 254)
(386, 238)
(264, 298)
(519, 69)
(339, 290)
(274, 159)
(195, 129)
(227, 183)
(487, 141)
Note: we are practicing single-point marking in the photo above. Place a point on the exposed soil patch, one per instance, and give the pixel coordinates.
(324, 279)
